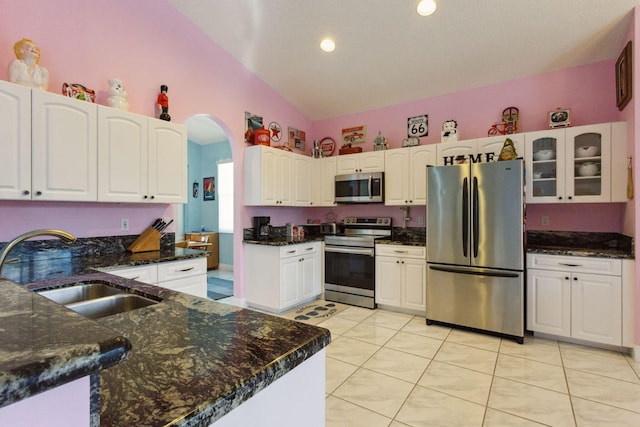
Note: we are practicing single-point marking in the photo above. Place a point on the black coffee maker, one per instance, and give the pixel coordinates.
(261, 227)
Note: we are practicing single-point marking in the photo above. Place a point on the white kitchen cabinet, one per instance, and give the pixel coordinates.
(64, 159)
(559, 179)
(576, 297)
(401, 278)
(302, 182)
(147, 273)
(141, 159)
(324, 178)
(278, 278)
(167, 162)
(406, 174)
(268, 176)
(480, 150)
(370, 161)
(15, 143)
(188, 276)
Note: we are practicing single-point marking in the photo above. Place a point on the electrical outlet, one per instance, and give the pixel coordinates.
(420, 220)
(544, 220)
(124, 224)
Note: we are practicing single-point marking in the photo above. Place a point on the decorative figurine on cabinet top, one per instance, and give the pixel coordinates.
(77, 91)
(24, 70)
(163, 104)
(449, 131)
(508, 151)
(380, 142)
(117, 95)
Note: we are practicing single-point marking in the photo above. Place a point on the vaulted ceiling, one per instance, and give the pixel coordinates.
(387, 54)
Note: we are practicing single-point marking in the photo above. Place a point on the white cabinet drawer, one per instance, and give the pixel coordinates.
(301, 249)
(196, 286)
(608, 266)
(180, 269)
(402, 250)
(144, 273)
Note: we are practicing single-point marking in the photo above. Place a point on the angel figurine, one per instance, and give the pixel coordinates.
(24, 70)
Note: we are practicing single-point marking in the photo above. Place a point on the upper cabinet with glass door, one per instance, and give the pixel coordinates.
(583, 164)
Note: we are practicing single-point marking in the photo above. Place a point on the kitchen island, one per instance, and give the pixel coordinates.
(193, 361)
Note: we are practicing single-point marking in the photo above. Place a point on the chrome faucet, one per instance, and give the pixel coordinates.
(67, 237)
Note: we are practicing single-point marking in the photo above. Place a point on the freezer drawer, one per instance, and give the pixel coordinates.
(491, 300)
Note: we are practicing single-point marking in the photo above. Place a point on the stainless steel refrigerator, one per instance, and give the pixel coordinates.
(475, 246)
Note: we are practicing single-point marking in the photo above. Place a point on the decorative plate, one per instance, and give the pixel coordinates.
(276, 131)
(327, 146)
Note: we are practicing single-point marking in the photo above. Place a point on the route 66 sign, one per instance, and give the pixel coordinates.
(418, 126)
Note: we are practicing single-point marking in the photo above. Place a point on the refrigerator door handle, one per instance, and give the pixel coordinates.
(465, 217)
(473, 273)
(476, 217)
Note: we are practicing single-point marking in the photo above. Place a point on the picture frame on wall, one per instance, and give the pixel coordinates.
(624, 77)
(209, 188)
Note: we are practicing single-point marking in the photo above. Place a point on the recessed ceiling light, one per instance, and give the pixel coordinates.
(327, 45)
(426, 7)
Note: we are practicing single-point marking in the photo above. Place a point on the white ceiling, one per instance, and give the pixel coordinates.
(386, 54)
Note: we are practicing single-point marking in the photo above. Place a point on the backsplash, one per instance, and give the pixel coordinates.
(84, 246)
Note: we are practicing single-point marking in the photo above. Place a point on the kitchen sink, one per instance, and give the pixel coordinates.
(96, 299)
(81, 292)
(110, 305)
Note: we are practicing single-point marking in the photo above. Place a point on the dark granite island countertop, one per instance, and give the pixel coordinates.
(194, 360)
(44, 345)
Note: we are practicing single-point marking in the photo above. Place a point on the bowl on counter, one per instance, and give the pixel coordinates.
(587, 151)
(544, 155)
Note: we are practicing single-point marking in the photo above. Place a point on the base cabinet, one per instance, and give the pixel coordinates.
(188, 276)
(576, 297)
(280, 277)
(401, 278)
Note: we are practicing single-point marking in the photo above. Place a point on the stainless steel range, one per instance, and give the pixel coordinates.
(349, 259)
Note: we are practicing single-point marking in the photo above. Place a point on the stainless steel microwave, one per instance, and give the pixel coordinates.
(360, 188)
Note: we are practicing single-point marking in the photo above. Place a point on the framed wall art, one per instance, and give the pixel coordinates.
(624, 77)
(209, 188)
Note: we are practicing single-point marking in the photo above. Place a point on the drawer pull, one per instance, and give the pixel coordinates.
(309, 249)
(291, 252)
(186, 269)
(570, 265)
(401, 252)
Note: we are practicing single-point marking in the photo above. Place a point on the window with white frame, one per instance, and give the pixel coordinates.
(225, 194)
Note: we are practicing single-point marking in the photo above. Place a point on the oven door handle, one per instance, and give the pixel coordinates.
(355, 251)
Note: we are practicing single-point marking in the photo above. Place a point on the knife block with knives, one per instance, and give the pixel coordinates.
(149, 240)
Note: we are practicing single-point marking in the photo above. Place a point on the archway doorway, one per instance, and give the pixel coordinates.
(209, 152)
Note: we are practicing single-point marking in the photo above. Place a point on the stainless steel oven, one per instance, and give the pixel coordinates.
(349, 260)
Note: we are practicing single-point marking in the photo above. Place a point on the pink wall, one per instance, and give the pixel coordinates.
(145, 43)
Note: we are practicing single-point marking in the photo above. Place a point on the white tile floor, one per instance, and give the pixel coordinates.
(391, 369)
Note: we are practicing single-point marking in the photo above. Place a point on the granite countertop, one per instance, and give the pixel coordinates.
(43, 345)
(191, 361)
(588, 244)
(283, 240)
(36, 268)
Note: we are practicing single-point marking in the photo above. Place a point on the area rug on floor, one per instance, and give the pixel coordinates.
(315, 312)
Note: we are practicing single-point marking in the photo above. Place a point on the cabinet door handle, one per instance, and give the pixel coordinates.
(25, 192)
(186, 269)
(38, 193)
